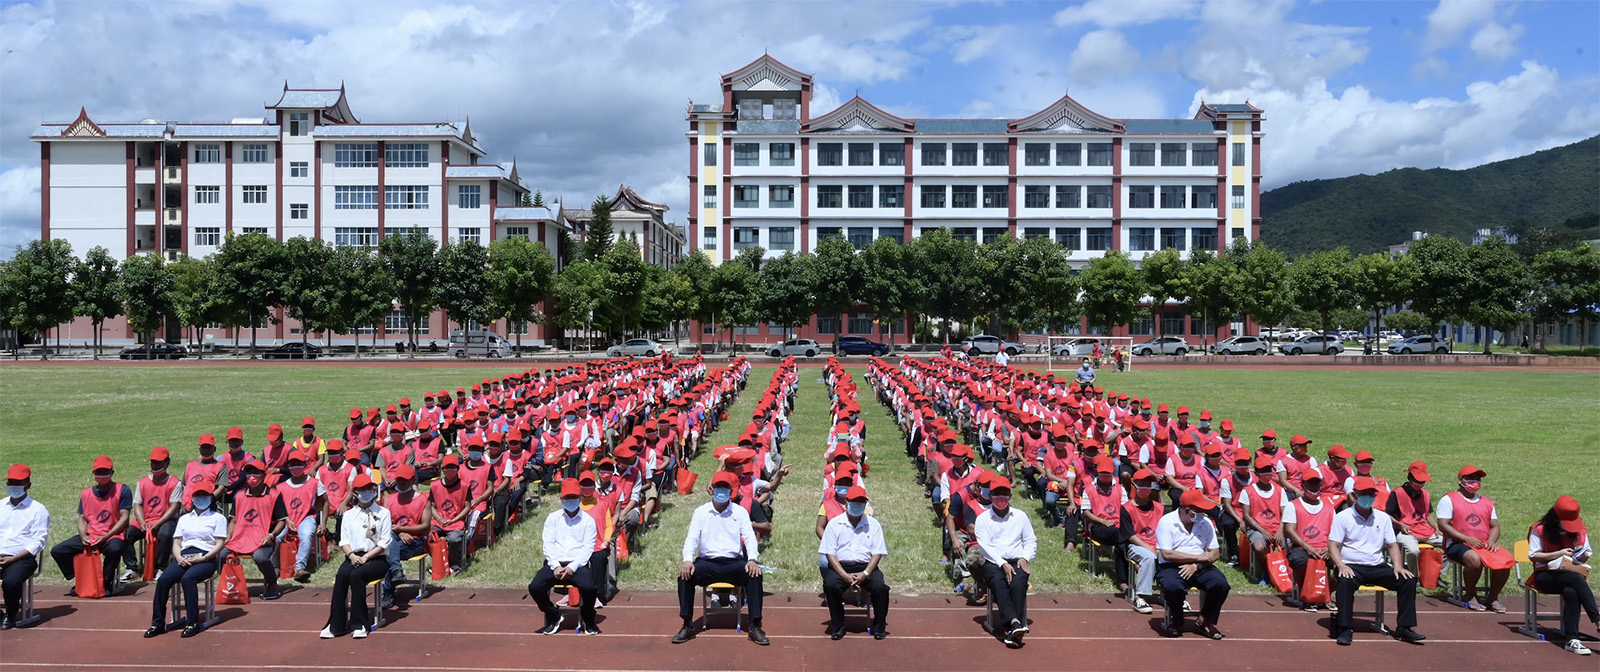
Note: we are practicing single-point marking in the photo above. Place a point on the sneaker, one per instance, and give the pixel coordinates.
(127, 575)
(588, 629)
(301, 575)
(1346, 636)
(1577, 647)
(327, 632)
(552, 625)
(1141, 606)
(271, 595)
(358, 633)
(1331, 608)
(1012, 642)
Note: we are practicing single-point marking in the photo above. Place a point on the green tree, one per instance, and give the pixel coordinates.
(192, 300)
(1163, 279)
(312, 285)
(368, 297)
(1324, 282)
(580, 290)
(147, 290)
(599, 237)
(784, 291)
(1567, 282)
(1502, 287)
(696, 270)
(1264, 276)
(1442, 281)
(250, 278)
(412, 260)
(41, 286)
(459, 288)
(1049, 286)
(839, 273)
(626, 271)
(890, 287)
(8, 299)
(1382, 280)
(733, 290)
(946, 268)
(674, 298)
(94, 290)
(1001, 290)
(1409, 320)
(1112, 290)
(521, 276)
(1212, 287)
(538, 200)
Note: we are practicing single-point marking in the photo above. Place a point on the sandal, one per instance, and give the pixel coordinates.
(1210, 631)
(1496, 607)
(1473, 605)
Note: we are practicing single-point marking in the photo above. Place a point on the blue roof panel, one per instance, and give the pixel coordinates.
(1170, 126)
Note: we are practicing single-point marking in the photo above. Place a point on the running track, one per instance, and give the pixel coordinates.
(493, 630)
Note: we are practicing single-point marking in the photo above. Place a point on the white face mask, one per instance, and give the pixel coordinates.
(16, 491)
(367, 496)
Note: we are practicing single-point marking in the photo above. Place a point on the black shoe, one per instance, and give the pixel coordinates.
(836, 634)
(191, 630)
(388, 598)
(1346, 636)
(588, 629)
(685, 634)
(1409, 635)
(879, 633)
(552, 625)
(1171, 627)
(155, 629)
(757, 636)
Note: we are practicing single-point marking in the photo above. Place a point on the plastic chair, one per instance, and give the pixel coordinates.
(1379, 592)
(27, 616)
(1457, 582)
(208, 602)
(376, 588)
(1530, 597)
(424, 571)
(735, 605)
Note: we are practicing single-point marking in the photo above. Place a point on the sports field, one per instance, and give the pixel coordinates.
(1536, 433)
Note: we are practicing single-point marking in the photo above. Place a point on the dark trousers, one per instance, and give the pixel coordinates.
(350, 594)
(1376, 575)
(1228, 529)
(1116, 538)
(1071, 524)
(1574, 591)
(1208, 580)
(111, 552)
(190, 578)
(1009, 598)
(833, 587)
(266, 559)
(582, 579)
(162, 548)
(719, 570)
(500, 504)
(14, 580)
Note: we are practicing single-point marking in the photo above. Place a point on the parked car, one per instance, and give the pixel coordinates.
(1313, 344)
(984, 344)
(1078, 347)
(294, 350)
(1244, 345)
(795, 346)
(861, 345)
(478, 343)
(1390, 336)
(1350, 335)
(635, 347)
(1165, 345)
(1420, 345)
(153, 351)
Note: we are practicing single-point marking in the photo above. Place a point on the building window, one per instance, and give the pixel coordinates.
(254, 194)
(746, 196)
(405, 197)
(405, 155)
(1099, 238)
(355, 155)
(1036, 196)
(860, 195)
(964, 196)
(468, 196)
(517, 232)
(830, 196)
(860, 323)
(708, 238)
(1141, 196)
(208, 153)
(355, 236)
(1171, 196)
(745, 237)
(1238, 232)
(933, 153)
(780, 196)
(709, 156)
(1204, 238)
(933, 195)
(299, 123)
(993, 233)
(710, 200)
(299, 211)
(398, 322)
(1203, 196)
(1140, 327)
(860, 153)
(995, 154)
(1099, 196)
(1204, 154)
(966, 233)
(1069, 196)
(1069, 238)
(1198, 327)
(780, 238)
(1141, 239)
(996, 196)
(1099, 153)
(830, 154)
(891, 154)
(207, 195)
(469, 234)
(1141, 154)
(1238, 153)
(896, 233)
(299, 169)
(746, 154)
(1174, 238)
(1036, 154)
(1238, 197)
(355, 197)
(1069, 153)
(828, 323)
(891, 196)
(860, 236)
(251, 230)
(1035, 232)
(964, 154)
(781, 154)
(207, 235)
(1173, 154)
(254, 154)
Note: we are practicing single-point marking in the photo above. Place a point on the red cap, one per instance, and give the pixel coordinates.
(405, 401)
(1364, 456)
(102, 462)
(1567, 510)
(570, 488)
(461, 390)
(274, 432)
(1466, 471)
(1299, 440)
(1227, 424)
(208, 440)
(335, 445)
(355, 413)
(203, 487)
(496, 437)
(1196, 499)
(353, 455)
(158, 453)
(391, 409)
(308, 421)
(362, 480)
(1310, 473)
(1269, 434)
(1104, 464)
(1186, 440)
(1145, 402)
(298, 456)
(450, 461)
(1365, 483)
(19, 472)
(724, 478)
(1143, 475)
(998, 482)
(961, 450)
(1213, 450)
(1264, 462)
(1419, 471)
(857, 492)
(1205, 414)
(1338, 451)
(405, 471)
(587, 476)
(1182, 410)
(1162, 408)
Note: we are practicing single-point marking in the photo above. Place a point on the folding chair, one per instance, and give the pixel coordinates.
(1093, 551)
(734, 603)
(424, 572)
(376, 588)
(208, 602)
(1458, 584)
(571, 591)
(27, 616)
(1377, 612)
(862, 601)
(1530, 597)
(989, 614)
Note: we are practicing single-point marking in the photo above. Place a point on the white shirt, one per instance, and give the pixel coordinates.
(1582, 553)
(851, 543)
(1002, 358)
(1003, 538)
(362, 529)
(1445, 510)
(1361, 540)
(1172, 536)
(23, 527)
(1283, 497)
(201, 529)
(569, 539)
(720, 534)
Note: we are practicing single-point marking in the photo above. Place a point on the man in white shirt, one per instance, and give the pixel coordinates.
(852, 546)
(1357, 543)
(1186, 542)
(569, 541)
(1006, 541)
(1002, 358)
(720, 548)
(24, 524)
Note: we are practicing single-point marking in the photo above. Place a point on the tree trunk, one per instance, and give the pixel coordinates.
(253, 338)
(97, 339)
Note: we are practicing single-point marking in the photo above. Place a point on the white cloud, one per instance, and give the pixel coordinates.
(1495, 42)
(1116, 13)
(19, 207)
(970, 43)
(1240, 41)
(1101, 54)
(1452, 18)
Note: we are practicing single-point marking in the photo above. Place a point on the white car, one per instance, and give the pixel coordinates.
(1390, 336)
(1243, 345)
(984, 344)
(1166, 345)
(635, 347)
(1077, 347)
(1312, 344)
(1423, 344)
(1349, 335)
(795, 346)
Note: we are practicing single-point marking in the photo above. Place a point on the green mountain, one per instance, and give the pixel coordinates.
(1367, 213)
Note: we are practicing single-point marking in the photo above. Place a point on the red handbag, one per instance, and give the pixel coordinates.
(286, 554)
(440, 552)
(686, 479)
(1278, 571)
(1430, 563)
(150, 549)
(89, 575)
(1315, 590)
(231, 587)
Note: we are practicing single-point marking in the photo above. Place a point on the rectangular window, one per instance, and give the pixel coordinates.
(396, 321)
(1036, 154)
(1203, 238)
(299, 211)
(1203, 196)
(1197, 326)
(827, 323)
(248, 230)
(1099, 153)
(253, 154)
(746, 154)
(993, 233)
(1174, 238)
(299, 123)
(830, 154)
(1141, 153)
(892, 196)
(891, 154)
(996, 196)
(933, 153)
(780, 238)
(1238, 153)
(1204, 153)
(355, 236)
(1141, 327)
(355, 155)
(995, 154)
(207, 195)
(860, 153)
(830, 196)
(1099, 196)
(1141, 239)
(860, 236)
(860, 323)
(1171, 323)
(1035, 232)
(469, 196)
(1069, 196)
(709, 238)
(747, 196)
(1237, 233)
(964, 196)
(933, 195)
(964, 154)
(745, 237)
(1171, 196)
(1069, 238)
(355, 197)
(898, 233)
(1069, 153)
(1238, 197)
(517, 232)
(966, 233)
(708, 157)
(1141, 196)
(254, 194)
(299, 169)
(207, 235)
(826, 232)
(405, 155)
(860, 195)
(1036, 196)
(208, 153)
(405, 197)
(780, 154)
(469, 234)
(1174, 153)
(780, 196)
(1099, 238)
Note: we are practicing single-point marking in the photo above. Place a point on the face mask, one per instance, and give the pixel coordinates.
(855, 508)
(571, 504)
(1146, 489)
(102, 480)
(586, 492)
(840, 490)
(721, 495)
(297, 472)
(474, 455)
(1364, 468)
(157, 471)
(1309, 490)
(1366, 501)
(1205, 424)
(983, 493)
(1471, 486)
(16, 491)
(367, 496)
(1002, 502)
(201, 502)
(405, 490)
(572, 418)
(254, 479)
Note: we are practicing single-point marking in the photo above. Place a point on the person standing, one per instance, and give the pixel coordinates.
(197, 539)
(1186, 541)
(103, 513)
(24, 525)
(569, 541)
(720, 537)
(363, 536)
(1007, 544)
(1357, 543)
(851, 549)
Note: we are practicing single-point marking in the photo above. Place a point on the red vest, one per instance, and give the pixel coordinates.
(1104, 504)
(601, 516)
(1184, 473)
(252, 519)
(200, 472)
(960, 483)
(102, 512)
(298, 499)
(478, 481)
(1210, 485)
(336, 482)
(404, 511)
(155, 499)
(1471, 518)
(449, 501)
(424, 449)
(1144, 522)
(1551, 544)
(1413, 512)
(1313, 527)
(276, 457)
(394, 457)
(1267, 509)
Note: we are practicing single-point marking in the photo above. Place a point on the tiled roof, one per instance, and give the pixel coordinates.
(577, 213)
(486, 172)
(769, 126)
(225, 130)
(111, 130)
(301, 99)
(1185, 126)
(1234, 107)
(386, 130)
(957, 126)
(522, 214)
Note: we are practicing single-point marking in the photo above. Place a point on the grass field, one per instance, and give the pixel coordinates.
(1536, 433)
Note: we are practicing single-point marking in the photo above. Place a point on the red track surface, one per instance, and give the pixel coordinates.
(491, 630)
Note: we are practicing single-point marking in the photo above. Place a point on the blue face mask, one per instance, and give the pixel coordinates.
(1205, 424)
(721, 495)
(855, 508)
(1366, 501)
(405, 490)
(983, 493)
(474, 455)
(840, 490)
(571, 504)
(572, 419)
(367, 496)
(202, 503)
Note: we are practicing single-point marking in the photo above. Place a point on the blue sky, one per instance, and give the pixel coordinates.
(587, 95)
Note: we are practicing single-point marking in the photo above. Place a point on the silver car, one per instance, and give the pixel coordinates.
(984, 344)
(1166, 345)
(1078, 347)
(1243, 345)
(1420, 345)
(635, 347)
(1313, 344)
(796, 346)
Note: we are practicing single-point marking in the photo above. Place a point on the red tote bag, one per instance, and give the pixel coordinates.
(286, 555)
(440, 552)
(89, 575)
(686, 479)
(231, 588)
(1430, 563)
(1315, 590)
(1278, 571)
(151, 546)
